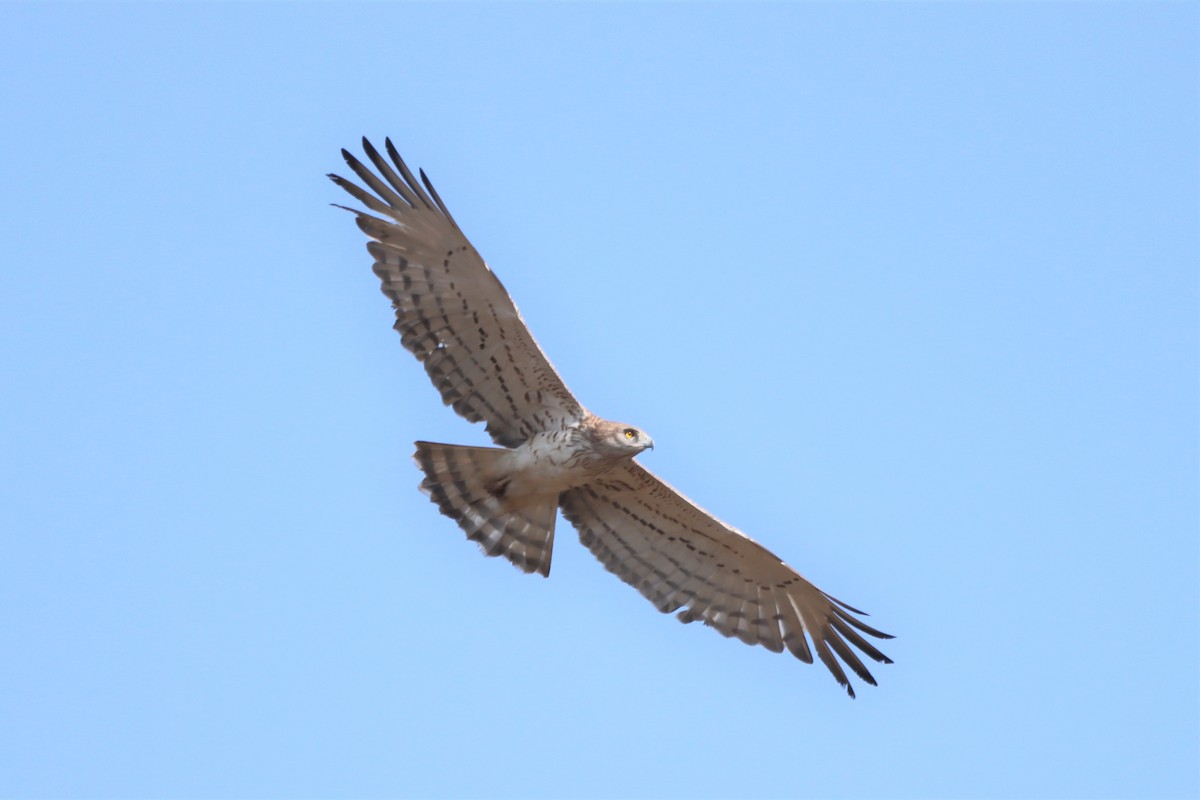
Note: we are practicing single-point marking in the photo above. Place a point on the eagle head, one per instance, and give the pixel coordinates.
(621, 440)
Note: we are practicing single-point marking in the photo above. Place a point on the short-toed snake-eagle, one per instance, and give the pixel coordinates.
(454, 315)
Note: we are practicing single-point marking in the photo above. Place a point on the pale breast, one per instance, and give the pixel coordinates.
(554, 461)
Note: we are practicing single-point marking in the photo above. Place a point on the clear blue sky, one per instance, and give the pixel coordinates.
(906, 292)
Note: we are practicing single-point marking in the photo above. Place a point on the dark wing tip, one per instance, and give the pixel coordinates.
(846, 606)
(391, 148)
(369, 149)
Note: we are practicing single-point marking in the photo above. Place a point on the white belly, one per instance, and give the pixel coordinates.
(550, 463)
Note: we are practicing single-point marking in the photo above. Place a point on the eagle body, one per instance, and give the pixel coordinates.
(506, 499)
(557, 460)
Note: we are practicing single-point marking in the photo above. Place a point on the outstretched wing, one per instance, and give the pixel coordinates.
(681, 557)
(452, 312)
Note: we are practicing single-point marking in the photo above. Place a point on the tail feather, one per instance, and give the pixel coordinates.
(468, 484)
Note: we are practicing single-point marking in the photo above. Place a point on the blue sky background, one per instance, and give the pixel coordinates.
(906, 292)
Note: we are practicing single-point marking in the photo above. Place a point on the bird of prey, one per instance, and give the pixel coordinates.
(455, 316)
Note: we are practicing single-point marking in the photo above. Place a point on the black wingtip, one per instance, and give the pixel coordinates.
(392, 152)
(369, 149)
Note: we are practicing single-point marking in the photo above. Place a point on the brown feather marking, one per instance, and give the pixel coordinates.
(681, 558)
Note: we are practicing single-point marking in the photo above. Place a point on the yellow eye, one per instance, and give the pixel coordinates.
(630, 433)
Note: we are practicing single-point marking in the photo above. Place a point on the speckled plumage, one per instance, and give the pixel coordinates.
(454, 315)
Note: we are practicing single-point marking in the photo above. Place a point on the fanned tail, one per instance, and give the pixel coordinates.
(469, 485)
